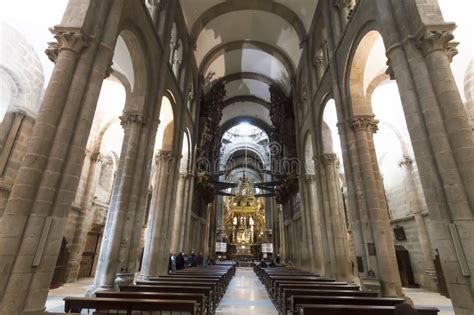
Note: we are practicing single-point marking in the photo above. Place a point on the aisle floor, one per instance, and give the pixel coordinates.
(246, 295)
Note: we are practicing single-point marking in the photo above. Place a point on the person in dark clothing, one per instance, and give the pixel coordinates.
(200, 260)
(192, 260)
(180, 261)
(272, 264)
(278, 259)
(263, 264)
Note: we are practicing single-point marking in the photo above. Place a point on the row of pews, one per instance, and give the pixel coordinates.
(191, 291)
(295, 291)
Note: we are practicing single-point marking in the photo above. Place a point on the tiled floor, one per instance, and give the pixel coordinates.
(55, 303)
(422, 297)
(246, 295)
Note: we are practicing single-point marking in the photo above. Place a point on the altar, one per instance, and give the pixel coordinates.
(244, 223)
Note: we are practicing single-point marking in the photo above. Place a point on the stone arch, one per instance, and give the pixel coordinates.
(357, 73)
(276, 8)
(166, 130)
(246, 44)
(21, 74)
(131, 62)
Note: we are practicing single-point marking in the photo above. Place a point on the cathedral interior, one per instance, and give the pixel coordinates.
(331, 139)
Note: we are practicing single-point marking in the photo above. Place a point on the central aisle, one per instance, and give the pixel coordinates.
(246, 295)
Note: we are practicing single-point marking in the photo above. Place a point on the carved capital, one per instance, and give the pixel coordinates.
(310, 178)
(438, 40)
(365, 123)
(96, 157)
(406, 161)
(131, 118)
(109, 70)
(389, 70)
(65, 40)
(329, 159)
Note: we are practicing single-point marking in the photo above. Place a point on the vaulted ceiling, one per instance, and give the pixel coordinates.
(248, 45)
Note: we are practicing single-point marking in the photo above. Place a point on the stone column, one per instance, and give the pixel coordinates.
(318, 251)
(415, 206)
(178, 216)
(109, 261)
(186, 219)
(160, 220)
(207, 228)
(383, 248)
(28, 216)
(310, 229)
(185, 224)
(85, 219)
(443, 150)
(339, 242)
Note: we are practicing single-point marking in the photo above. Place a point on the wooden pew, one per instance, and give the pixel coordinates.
(279, 299)
(77, 304)
(212, 284)
(207, 291)
(289, 292)
(295, 300)
(197, 297)
(328, 309)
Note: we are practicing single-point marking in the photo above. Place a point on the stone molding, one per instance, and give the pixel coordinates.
(72, 41)
(365, 123)
(434, 40)
(131, 118)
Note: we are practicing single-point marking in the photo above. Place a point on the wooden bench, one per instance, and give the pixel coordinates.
(197, 297)
(220, 285)
(77, 304)
(279, 298)
(295, 300)
(328, 309)
(289, 292)
(207, 291)
(213, 285)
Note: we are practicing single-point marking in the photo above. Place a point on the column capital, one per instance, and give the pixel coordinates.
(433, 40)
(329, 159)
(309, 177)
(65, 40)
(96, 157)
(130, 118)
(365, 123)
(406, 161)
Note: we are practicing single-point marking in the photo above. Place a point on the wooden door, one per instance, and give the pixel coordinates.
(442, 287)
(89, 255)
(59, 276)
(404, 267)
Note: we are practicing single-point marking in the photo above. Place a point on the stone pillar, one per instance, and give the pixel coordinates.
(85, 219)
(316, 228)
(310, 229)
(415, 206)
(443, 151)
(383, 246)
(178, 216)
(207, 228)
(185, 224)
(34, 219)
(283, 251)
(118, 214)
(335, 219)
(160, 220)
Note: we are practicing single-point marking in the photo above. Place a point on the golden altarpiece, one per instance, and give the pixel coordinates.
(244, 220)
